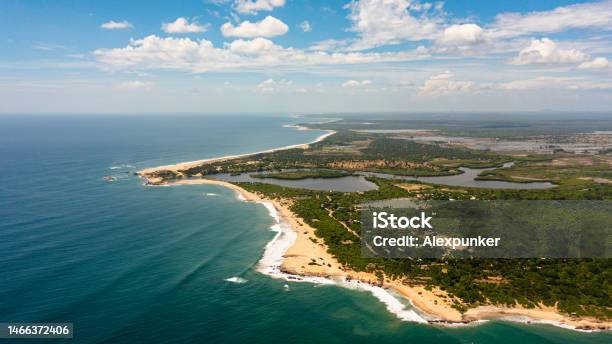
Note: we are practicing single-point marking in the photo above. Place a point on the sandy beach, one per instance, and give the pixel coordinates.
(308, 256)
(190, 164)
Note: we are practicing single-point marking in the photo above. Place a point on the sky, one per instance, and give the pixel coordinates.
(290, 56)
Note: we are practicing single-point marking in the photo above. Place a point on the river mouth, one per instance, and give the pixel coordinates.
(359, 183)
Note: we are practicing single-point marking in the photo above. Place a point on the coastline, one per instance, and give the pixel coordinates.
(296, 254)
(189, 164)
(290, 254)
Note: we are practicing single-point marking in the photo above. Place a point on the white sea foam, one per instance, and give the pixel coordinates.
(528, 320)
(391, 301)
(236, 279)
(209, 194)
(119, 167)
(240, 197)
(394, 305)
(272, 258)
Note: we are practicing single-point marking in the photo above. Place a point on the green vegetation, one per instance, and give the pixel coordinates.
(387, 148)
(302, 174)
(565, 170)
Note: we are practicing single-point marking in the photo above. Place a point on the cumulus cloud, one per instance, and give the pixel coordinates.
(305, 26)
(384, 22)
(268, 27)
(272, 86)
(356, 83)
(117, 25)
(387, 22)
(463, 34)
(135, 84)
(254, 6)
(252, 47)
(198, 56)
(529, 84)
(444, 83)
(547, 51)
(579, 16)
(597, 64)
(182, 25)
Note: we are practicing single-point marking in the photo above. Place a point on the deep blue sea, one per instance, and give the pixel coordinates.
(133, 264)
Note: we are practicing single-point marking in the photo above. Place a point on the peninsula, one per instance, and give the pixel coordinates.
(573, 293)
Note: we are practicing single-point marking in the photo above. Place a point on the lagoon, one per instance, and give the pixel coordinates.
(358, 183)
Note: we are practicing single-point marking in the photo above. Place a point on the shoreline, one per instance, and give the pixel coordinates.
(290, 253)
(190, 164)
(296, 254)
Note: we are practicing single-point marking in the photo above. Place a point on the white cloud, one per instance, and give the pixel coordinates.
(198, 56)
(383, 22)
(560, 83)
(305, 26)
(600, 63)
(113, 25)
(268, 27)
(546, 51)
(266, 86)
(590, 85)
(443, 83)
(463, 34)
(529, 84)
(135, 84)
(272, 86)
(356, 83)
(182, 25)
(579, 16)
(254, 6)
(386, 22)
(252, 47)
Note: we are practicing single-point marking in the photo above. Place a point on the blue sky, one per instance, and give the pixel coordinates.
(304, 56)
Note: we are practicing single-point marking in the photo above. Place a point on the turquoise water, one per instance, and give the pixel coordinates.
(132, 264)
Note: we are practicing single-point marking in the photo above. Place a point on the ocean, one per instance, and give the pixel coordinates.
(128, 263)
